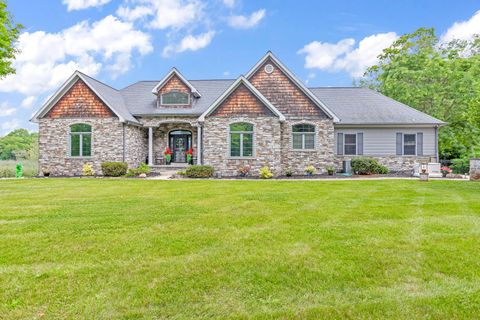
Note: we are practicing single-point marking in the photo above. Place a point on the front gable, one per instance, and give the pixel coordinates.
(242, 102)
(79, 102)
(285, 91)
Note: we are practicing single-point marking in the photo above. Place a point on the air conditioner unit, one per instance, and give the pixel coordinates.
(347, 166)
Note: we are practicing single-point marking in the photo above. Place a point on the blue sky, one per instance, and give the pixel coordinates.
(123, 41)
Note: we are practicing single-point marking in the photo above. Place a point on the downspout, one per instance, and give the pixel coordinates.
(436, 144)
(123, 138)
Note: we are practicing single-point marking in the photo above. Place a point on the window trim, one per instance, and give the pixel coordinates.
(350, 144)
(80, 134)
(314, 133)
(241, 156)
(174, 104)
(415, 144)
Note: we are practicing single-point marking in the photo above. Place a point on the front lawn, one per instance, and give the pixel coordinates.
(135, 249)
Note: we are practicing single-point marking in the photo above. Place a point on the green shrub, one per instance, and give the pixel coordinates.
(142, 168)
(265, 173)
(198, 171)
(368, 166)
(310, 170)
(288, 172)
(460, 166)
(114, 169)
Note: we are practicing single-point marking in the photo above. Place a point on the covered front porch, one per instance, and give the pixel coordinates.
(179, 135)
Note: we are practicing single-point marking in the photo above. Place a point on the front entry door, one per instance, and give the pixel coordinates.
(180, 145)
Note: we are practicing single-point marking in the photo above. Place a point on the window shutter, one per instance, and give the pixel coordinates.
(360, 143)
(399, 143)
(420, 144)
(340, 144)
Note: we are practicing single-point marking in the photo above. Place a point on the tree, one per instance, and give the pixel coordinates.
(440, 79)
(19, 144)
(9, 32)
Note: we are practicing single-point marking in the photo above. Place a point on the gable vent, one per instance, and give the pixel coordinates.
(268, 68)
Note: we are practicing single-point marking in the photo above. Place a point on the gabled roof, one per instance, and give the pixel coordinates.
(111, 97)
(172, 72)
(295, 80)
(231, 89)
(364, 106)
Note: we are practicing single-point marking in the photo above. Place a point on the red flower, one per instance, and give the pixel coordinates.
(167, 151)
(446, 169)
(190, 152)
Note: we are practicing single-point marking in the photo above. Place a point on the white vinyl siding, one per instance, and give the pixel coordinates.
(383, 141)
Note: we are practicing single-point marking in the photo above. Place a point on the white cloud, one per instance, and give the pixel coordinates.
(28, 102)
(190, 43)
(229, 3)
(10, 125)
(463, 30)
(246, 22)
(6, 109)
(163, 14)
(83, 4)
(48, 59)
(344, 56)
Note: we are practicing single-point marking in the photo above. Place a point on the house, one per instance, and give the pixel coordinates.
(266, 117)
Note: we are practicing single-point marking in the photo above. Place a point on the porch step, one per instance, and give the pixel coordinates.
(174, 167)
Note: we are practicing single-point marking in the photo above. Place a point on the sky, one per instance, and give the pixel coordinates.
(119, 42)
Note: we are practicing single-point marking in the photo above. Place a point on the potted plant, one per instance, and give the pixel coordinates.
(168, 155)
(309, 170)
(244, 171)
(331, 170)
(189, 154)
(445, 170)
(288, 172)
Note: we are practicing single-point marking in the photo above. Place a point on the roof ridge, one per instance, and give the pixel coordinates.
(103, 83)
(340, 87)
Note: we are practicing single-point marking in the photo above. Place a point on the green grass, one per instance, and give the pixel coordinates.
(8, 168)
(134, 249)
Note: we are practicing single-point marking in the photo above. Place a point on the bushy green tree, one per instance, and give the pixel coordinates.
(19, 144)
(9, 32)
(440, 79)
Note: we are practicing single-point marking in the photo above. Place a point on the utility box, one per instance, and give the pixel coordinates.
(347, 166)
(475, 169)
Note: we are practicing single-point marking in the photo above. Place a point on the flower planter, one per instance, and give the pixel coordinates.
(423, 176)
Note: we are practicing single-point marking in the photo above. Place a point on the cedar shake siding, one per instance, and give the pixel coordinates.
(242, 102)
(79, 102)
(284, 94)
(174, 84)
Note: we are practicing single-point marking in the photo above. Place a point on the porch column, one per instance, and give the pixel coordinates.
(199, 144)
(150, 146)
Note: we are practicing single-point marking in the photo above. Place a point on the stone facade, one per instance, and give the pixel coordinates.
(321, 157)
(394, 163)
(266, 149)
(54, 141)
(136, 145)
(475, 169)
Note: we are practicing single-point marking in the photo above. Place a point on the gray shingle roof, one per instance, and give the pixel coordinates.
(351, 105)
(140, 100)
(366, 106)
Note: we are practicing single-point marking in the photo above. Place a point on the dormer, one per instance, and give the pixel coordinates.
(174, 91)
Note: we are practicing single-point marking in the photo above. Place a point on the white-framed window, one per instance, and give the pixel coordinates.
(80, 140)
(303, 136)
(241, 139)
(350, 144)
(409, 144)
(175, 98)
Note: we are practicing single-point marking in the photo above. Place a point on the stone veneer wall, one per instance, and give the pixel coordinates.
(54, 134)
(136, 145)
(394, 163)
(266, 140)
(160, 136)
(321, 157)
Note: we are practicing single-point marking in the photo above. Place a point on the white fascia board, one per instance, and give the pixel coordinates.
(178, 74)
(231, 89)
(295, 80)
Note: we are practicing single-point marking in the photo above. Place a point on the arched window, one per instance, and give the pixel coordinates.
(303, 136)
(174, 98)
(80, 140)
(241, 139)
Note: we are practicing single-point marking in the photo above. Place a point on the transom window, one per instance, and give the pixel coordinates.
(409, 144)
(241, 139)
(303, 136)
(174, 98)
(80, 140)
(350, 144)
